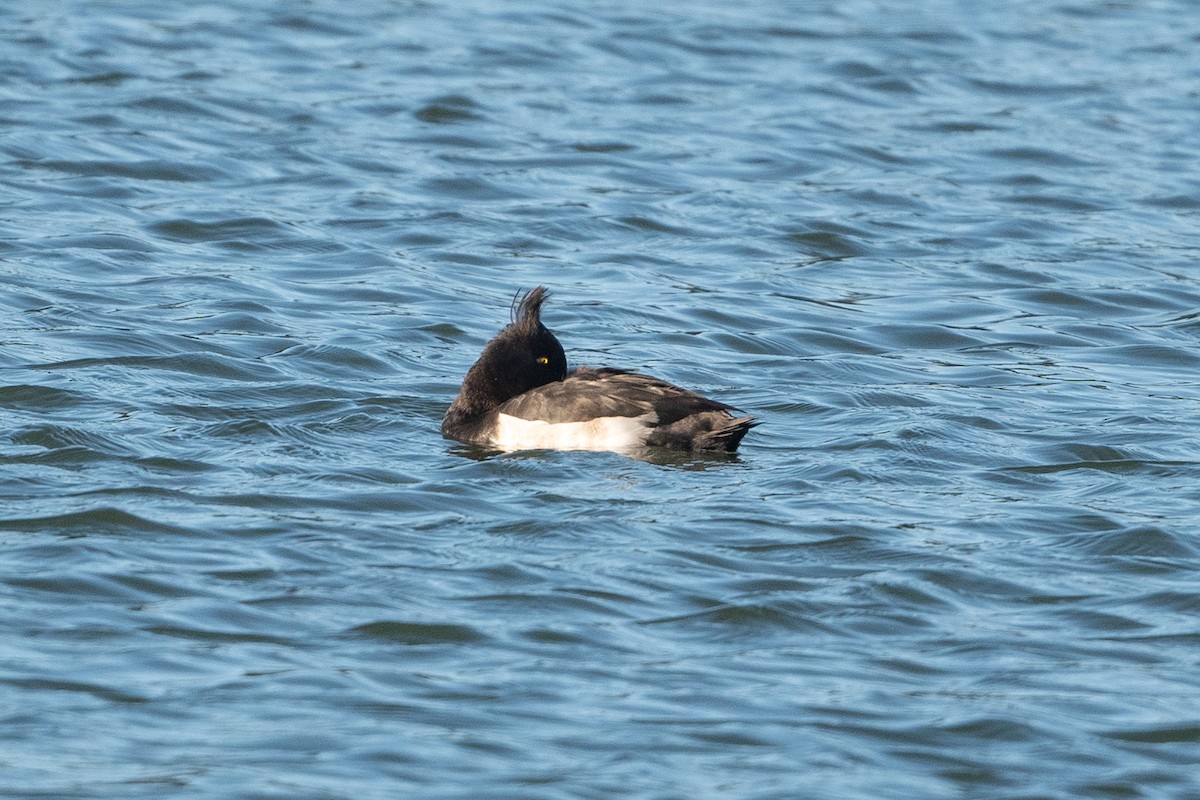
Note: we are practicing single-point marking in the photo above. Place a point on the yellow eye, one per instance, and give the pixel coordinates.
(543, 360)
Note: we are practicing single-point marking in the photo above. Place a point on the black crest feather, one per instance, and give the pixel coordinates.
(528, 312)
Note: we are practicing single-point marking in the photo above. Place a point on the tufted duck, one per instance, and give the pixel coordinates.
(519, 395)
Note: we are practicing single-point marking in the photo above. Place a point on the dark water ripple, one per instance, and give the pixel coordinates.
(946, 253)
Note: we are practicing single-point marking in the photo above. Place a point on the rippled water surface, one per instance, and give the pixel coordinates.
(947, 252)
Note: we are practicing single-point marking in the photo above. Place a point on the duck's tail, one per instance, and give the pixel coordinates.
(712, 431)
(726, 437)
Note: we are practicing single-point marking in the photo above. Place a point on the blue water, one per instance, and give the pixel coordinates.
(948, 253)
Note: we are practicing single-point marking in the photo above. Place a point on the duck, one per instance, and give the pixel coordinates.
(521, 395)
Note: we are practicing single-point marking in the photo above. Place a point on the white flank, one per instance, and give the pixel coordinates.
(602, 433)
